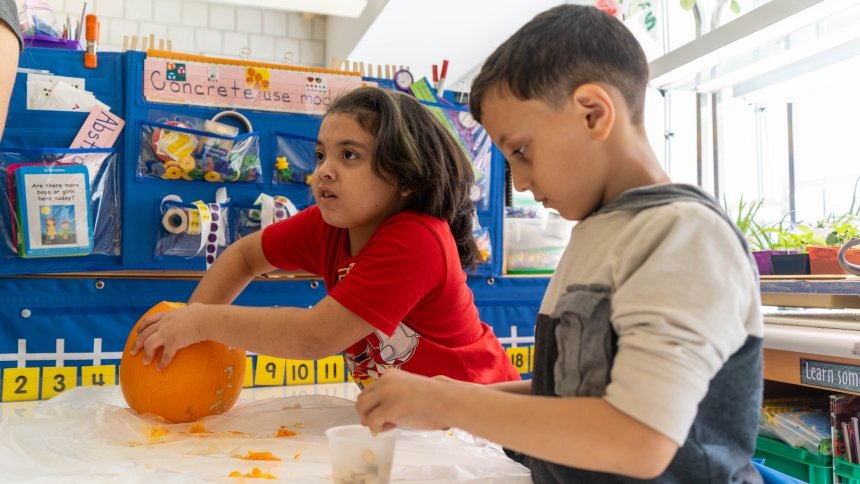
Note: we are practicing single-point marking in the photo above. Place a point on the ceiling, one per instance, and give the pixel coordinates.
(418, 34)
(341, 8)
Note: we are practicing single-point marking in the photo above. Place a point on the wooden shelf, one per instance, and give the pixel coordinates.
(784, 366)
(811, 291)
(827, 337)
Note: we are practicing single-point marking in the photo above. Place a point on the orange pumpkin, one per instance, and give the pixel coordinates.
(203, 379)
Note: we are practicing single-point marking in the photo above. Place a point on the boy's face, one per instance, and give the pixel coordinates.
(550, 151)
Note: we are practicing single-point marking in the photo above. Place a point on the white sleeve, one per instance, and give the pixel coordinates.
(685, 300)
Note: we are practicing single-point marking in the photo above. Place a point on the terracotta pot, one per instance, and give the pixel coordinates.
(845, 261)
(824, 260)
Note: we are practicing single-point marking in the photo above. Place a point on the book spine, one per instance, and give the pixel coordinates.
(855, 433)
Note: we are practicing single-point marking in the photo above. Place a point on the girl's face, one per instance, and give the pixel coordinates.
(348, 192)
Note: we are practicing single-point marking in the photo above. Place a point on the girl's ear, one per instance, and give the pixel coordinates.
(404, 193)
(597, 110)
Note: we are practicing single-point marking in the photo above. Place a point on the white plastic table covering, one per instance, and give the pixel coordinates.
(88, 434)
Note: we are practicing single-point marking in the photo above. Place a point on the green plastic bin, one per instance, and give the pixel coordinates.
(849, 473)
(795, 462)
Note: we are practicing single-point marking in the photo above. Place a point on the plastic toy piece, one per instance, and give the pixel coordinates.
(157, 169)
(212, 176)
(172, 145)
(233, 175)
(187, 163)
(172, 173)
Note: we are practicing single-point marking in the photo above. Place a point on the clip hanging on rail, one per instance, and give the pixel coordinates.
(90, 59)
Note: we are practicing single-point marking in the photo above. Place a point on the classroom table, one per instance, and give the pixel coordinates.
(89, 434)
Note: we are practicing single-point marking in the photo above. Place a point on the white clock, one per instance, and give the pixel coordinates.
(403, 79)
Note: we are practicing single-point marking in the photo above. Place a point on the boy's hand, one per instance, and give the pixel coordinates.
(399, 398)
(172, 330)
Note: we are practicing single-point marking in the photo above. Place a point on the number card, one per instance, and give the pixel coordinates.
(100, 375)
(519, 358)
(269, 371)
(249, 372)
(20, 384)
(56, 380)
(330, 370)
(300, 372)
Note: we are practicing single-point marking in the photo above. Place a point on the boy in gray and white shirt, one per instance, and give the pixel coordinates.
(647, 361)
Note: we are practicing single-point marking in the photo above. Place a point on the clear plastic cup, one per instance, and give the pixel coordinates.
(360, 457)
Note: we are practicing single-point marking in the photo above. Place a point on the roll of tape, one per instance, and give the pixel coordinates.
(175, 220)
(236, 114)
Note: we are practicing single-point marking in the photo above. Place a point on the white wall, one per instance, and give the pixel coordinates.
(344, 33)
(208, 29)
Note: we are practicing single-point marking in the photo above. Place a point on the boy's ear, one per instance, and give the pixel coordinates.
(597, 108)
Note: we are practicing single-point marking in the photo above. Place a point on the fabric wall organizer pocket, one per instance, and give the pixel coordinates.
(295, 159)
(59, 202)
(177, 150)
(196, 229)
(266, 210)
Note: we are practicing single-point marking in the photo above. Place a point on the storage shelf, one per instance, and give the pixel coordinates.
(833, 285)
(823, 335)
(784, 366)
(820, 292)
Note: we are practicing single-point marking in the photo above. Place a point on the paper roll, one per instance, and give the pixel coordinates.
(175, 220)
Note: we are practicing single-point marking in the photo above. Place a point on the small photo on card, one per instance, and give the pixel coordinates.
(57, 225)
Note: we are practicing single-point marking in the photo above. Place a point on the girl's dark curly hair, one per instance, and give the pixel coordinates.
(413, 148)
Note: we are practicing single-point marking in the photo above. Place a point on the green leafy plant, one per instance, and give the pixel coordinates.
(795, 237)
(842, 228)
(744, 217)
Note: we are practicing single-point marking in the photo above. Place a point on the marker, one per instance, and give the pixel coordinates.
(435, 74)
(440, 88)
(90, 59)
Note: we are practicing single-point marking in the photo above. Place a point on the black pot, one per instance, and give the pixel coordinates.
(789, 264)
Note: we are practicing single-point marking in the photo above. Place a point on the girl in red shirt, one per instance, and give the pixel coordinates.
(390, 234)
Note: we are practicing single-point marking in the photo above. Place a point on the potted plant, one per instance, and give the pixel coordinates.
(794, 241)
(839, 230)
(761, 240)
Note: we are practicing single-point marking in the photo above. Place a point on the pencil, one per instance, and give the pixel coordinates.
(81, 24)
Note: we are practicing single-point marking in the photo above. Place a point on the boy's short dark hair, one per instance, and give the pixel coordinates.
(561, 49)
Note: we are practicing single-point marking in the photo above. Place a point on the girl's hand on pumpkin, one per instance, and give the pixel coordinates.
(171, 330)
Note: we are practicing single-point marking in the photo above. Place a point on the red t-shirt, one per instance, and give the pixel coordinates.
(407, 282)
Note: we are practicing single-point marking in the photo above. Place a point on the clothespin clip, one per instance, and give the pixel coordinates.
(440, 87)
(90, 59)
